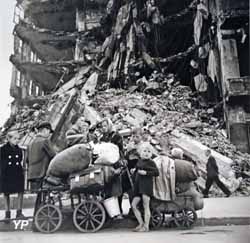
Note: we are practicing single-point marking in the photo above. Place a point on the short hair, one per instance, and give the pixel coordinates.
(145, 145)
(12, 133)
(177, 153)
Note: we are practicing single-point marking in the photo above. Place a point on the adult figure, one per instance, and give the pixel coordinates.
(114, 187)
(213, 175)
(40, 152)
(110, 135)
(12, 175)
(79, 132)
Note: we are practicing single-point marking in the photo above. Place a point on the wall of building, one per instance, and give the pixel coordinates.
(234, 64)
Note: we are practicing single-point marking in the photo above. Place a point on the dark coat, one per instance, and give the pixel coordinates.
(12, 176)
(114, 187)
(40, 153)
(212, 168)
(144, 183)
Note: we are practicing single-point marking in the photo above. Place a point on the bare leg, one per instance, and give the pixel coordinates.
(147, 213)
(7, 202)
(20, 201)
(137, 213)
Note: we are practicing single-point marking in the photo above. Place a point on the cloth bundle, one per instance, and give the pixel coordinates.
(185, 171)
(108, 153)
(70, 160)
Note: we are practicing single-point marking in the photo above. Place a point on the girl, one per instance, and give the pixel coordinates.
(145, 171)
(12, 176)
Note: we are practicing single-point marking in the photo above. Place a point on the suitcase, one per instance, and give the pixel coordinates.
(89, 180)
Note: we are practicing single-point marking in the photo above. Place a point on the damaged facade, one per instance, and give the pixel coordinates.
(68, 52)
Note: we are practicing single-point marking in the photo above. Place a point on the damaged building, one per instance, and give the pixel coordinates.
(178, 64)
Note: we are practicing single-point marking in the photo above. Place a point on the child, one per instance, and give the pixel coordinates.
(145, 171)
(12, 176)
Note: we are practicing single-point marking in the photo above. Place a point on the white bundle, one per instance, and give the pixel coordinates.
(108, 153)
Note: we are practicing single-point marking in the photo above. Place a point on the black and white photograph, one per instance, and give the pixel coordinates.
(124, 121)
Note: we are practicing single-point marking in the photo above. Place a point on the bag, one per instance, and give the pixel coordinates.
(73, 159)
(197, 197)
(91, 179)
(185, 171)
(108, 153)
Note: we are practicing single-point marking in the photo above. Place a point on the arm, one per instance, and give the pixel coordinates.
(49, 149)
(117, 140)
(213, 163)
(151, 169)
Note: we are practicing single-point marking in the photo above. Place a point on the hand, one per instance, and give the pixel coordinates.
(124, 162)
(142, 172)
(132, 171)
(117, 171)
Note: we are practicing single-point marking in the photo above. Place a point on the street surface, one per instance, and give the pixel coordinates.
(218, 234)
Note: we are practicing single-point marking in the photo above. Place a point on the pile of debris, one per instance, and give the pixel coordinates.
(162, 117)
(135, 55)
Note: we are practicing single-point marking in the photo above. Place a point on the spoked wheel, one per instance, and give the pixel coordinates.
(185, 217)
(48, 218)
(157, 219)
(89, 216)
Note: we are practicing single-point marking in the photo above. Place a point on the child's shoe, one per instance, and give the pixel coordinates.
(7, 217)
(19, 214)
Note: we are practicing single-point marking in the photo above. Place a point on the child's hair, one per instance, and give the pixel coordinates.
(145, 145)
(11, 134)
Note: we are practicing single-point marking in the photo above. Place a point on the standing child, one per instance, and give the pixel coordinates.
(145, 171)
(12, 176)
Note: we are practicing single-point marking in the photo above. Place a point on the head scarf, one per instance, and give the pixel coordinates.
(110, 124)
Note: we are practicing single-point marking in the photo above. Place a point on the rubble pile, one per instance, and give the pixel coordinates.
(160, 115)
(28, 116)
(132, 45)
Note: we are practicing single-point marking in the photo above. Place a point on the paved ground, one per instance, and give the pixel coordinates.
(221, 234)
(216, 211)
(213, 208)
(225, 207)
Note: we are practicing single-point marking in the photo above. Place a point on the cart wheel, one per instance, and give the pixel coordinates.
(157, 219)
(185, 217)
(89, 216)
(48, 218)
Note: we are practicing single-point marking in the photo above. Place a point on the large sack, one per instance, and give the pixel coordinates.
(70, 160)
(196, 196)
(185, 171)
(182, 187)
(108, 153)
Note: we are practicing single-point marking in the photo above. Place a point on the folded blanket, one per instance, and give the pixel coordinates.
(164, 184)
